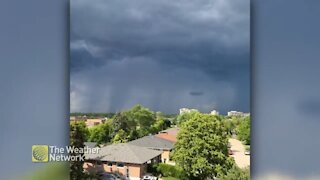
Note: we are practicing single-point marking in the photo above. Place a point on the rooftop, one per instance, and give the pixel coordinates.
(153, 142)
(168, 137)
(172, 131)
(90, 144)
(125, 153)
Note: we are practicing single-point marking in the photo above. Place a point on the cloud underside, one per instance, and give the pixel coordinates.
(161, 54)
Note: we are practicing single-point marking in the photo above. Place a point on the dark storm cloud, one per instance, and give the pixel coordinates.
(153, 52)
(194, 93)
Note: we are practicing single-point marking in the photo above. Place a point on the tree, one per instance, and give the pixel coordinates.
(100, 133)
(139, 120)
(202, 149)
(121, 137)
(77, 139)
(83, 128)
(181, 118)
(120, 122)
(142, 116)
(229, 124)
(160, 124)
(244, 130)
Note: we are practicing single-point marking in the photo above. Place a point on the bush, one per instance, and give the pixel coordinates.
(235, 173)
(167, 170)
(152, 168)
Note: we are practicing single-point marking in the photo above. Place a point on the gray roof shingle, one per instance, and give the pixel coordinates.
(153, 142)
(90, 144)
(124, 152)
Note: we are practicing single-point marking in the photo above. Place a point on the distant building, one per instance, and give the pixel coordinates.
(186, 110)
(94, 122)
(214, 112)
(238, 114)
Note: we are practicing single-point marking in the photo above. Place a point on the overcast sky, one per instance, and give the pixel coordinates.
(162, 54)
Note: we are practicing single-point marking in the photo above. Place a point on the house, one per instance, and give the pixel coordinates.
(169, 134)
(238, 114)
(214, 112)
(72, 118)
(126, 159)
(94, 122)
(155, 143)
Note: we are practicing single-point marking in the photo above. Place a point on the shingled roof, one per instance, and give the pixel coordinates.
(125, 153)
(172, 131)
(90, 144)
(153, 142)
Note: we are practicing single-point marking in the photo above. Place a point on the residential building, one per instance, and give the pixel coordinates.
(237, 113)
(214, 112)
(126, 159)
(94, 122)
(155, 143)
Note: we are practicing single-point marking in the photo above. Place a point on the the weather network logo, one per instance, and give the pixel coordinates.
(40, 153)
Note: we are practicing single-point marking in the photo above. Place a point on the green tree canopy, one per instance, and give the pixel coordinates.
(83, 128)
(181, 118)
(202, 149)
(121, 122)
(121, 137)
(243, 131)
(100, 133)
(141, 115)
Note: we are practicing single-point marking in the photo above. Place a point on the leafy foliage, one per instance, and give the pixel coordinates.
(201, 149)
(82, 128)
(141, 116)
(243, 131)
(100, 133)
(121, 137)
(122, 122)
(134, 123)
(236, 173)
(77, 139)
(181, 118)
(167, 170)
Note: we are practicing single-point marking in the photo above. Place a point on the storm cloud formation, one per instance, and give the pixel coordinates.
(162, 54)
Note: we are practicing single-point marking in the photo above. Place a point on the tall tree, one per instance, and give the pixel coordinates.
(142, 116)
(202, 149)
(120, 122)
(77, 139)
